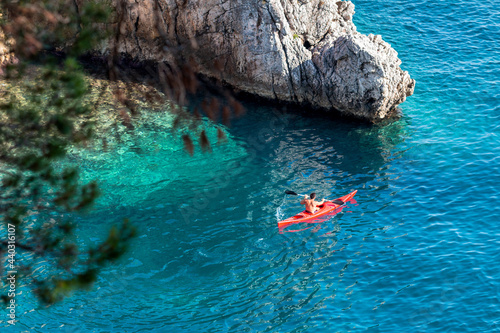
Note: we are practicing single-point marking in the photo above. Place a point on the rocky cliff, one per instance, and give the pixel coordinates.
(299, 51)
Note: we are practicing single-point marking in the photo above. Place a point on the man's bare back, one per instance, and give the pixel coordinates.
(311, 205)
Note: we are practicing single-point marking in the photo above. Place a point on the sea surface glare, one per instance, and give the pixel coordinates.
(418, 252)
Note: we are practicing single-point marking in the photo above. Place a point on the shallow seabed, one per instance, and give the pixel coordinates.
(418, 252)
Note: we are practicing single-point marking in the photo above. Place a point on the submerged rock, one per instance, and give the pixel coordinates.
(304, 52)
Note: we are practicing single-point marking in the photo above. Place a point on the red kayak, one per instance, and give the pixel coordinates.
(327, 207)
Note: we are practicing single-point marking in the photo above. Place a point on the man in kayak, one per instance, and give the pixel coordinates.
(311, 205)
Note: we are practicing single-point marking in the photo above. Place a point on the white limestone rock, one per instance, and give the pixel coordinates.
(294, 51)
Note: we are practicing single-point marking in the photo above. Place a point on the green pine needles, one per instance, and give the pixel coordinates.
(41, 115)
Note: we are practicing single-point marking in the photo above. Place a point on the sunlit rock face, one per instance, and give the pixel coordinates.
(303, 52)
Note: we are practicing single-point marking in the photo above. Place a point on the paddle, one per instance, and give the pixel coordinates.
(292, 192)
(336, 201)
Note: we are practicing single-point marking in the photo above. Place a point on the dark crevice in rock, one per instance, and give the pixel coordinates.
(272, 87)
(306, 80)
(176, 17)
(259, 17)
(136, 25)
(157, 2)
(323, 38)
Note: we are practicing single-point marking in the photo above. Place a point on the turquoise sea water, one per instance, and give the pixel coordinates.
(418, 252)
